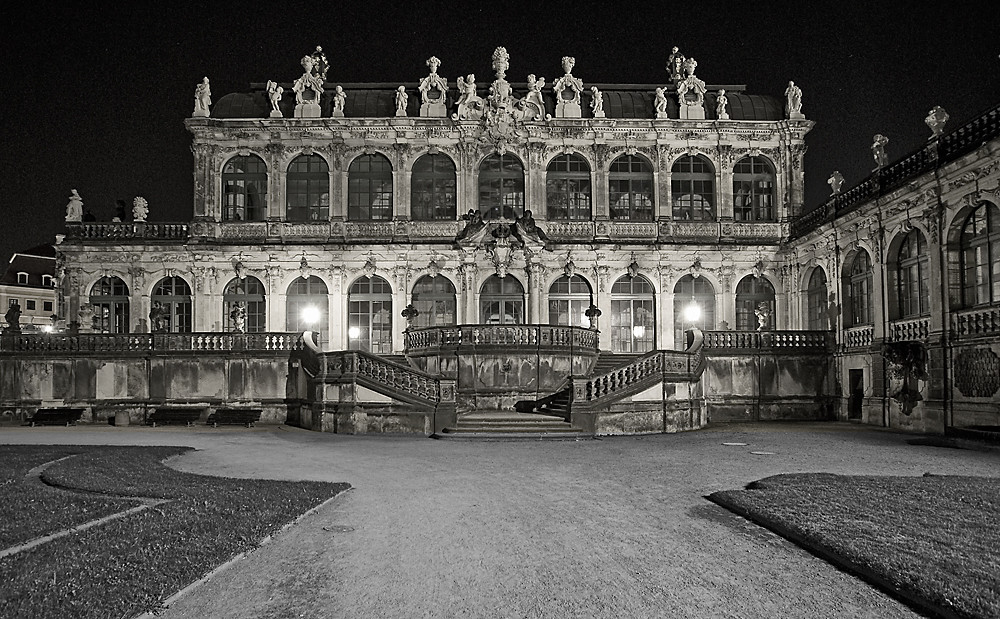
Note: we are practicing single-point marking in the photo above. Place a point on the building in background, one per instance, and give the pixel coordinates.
(29, 281)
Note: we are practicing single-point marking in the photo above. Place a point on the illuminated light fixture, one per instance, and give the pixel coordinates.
(47, 328)
(310, 315)
(692, 312)
(354, 333)
(638, 331)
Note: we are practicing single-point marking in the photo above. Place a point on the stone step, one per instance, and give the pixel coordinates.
(506, 425)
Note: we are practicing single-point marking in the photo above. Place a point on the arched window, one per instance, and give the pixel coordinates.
(250, 292)
(633, 320)
(859, 286)
(501, 301)
(432, 188)
(307, 306)
(369, 316)
(694, 306)
(630, 189)
(980, 256)
(692, 182)
(369, 188)
(753, 190)
(244, 189)
(171, 302)
(308, 189)
(816, 301)
(569, 298)
(912, 291)
(501, 187)
(110, 299)
(435, 299)
(750, 293)
(567, 188)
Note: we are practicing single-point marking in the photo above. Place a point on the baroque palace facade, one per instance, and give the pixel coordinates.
(644, 219)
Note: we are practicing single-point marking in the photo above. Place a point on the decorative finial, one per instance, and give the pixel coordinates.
(501, 61)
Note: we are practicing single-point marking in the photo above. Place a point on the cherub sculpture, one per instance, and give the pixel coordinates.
(202, 98)
(274, 95)
(878, 149)
(596, 102)
(74, 210)
(794, 95)
(401, 98)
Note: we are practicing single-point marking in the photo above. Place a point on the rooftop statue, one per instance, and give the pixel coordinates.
(721, 101)
(533, 103)
(835, 182)
(433, 89)
(878, 150)
(320, 65)
(793, 106)
(274, 95)
(202, 98)
(691, 93)
(567, 90)
(596, 102)
(936, 120)
(339, 99)
(660, 102)
(74, 210)
(675, 64)
(470, 105)
(308, 90)
(140, 208)
(401, 98)
(500, 89)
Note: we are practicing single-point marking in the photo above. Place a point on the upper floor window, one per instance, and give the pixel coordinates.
(753, 294)
(912, 291)
(753, 190)
(980, 256)
(369, 188)
(816, 301)
(435, 299)
(567, 188)
(692, 188)
(859, 286)
(48, 280)
(630, 189)
(22, 278)
(244, 189)
(501, 187)
(569, 298)
(432, 188)
(110, 299)
(308, 189)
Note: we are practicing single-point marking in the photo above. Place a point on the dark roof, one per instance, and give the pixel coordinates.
(34, 263)
(379, 101)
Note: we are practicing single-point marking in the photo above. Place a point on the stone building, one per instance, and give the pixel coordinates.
(632, 258)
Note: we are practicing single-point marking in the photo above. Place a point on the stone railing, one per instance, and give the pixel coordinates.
(56, 343)
(859, 337)
(588, 392)
(976, 322)
(391, 379)
(113, 231)
(429, 338)
(910, 330)
(819, 340)
(632, 230)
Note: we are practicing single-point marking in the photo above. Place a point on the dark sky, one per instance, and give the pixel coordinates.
(96, 98)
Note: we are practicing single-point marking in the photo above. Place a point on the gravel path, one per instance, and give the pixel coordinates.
(617, 527)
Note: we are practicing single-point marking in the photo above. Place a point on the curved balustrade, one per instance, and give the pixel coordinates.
(643, 372)
(768, 339)
(393, 379)
(151, 342)
(428, 338)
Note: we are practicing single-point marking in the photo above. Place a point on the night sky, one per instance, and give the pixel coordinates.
(96, 98)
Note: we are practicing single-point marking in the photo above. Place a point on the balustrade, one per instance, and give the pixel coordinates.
(914, 329)
(975, 322)
(767, 339)
(565, 337)
(58, 343)
(127, 230)
(412, 383)
(859, 337)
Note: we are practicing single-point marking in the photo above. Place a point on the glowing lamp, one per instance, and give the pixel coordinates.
(310, 315)
(692, 312)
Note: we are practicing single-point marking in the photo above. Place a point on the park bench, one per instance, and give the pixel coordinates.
(175, 414)
(59, 416)
(244, 416)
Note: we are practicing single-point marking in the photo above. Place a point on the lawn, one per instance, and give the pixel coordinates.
(128, 565)
(931, 540)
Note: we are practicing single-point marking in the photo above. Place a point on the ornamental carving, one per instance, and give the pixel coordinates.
(977, 373)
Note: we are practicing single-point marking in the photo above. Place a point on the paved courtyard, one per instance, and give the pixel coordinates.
(617, 527)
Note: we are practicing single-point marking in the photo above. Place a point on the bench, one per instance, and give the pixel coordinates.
(61, 416)
(175, 414)
(245, 416)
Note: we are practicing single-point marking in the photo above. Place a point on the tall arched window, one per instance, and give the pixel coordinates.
(369, 188)
(432, 188)
(110, 299)
(816, 301)
(859, 286)
(692, 188)
(633, 320)
(694, 306)
(501, 301)
(753, 190)
(308, 189)
(569, 298)
(630, 189)
(369, 316)
(912, 291)
(567, 188)
(171, 302)
(244, 189)
(750, 293)
(248, 291)
(435, 299)
(501, 187)
(307, 306)
(980, 256)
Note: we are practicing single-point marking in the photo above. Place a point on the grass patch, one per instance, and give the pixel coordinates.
(130, 565)
(930, 540)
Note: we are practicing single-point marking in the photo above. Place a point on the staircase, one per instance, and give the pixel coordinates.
(509, 425)
(609, 360)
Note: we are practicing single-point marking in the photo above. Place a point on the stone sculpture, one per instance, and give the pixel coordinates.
(835, 181)
(140, 208)
(596, 102)
(74, 210)
(339, 99)
(675, 65)
(936, 120)
(13, 318)
(157, 318)
(533, 102)
(567, 90)
(274, 95)
(401, 98)
(308, 90)
(470, 105)
(432, 92)
(202, 98)
(691, 93)
(528, 232)
(660, 102)
(239, 317)
(763, 313)
(86, 318)
(793, 105)
(320, 65)
(878, 150)
(721, 101)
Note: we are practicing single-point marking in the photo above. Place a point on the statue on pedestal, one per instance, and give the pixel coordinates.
(202, 98)
(936, 120)
(763, 313)
(274, 95)
(239, 317)
(567, 90)
(721, 101)
(432, 91)
(793, 106)
(13, 318)
(140, 208)
(596, 102)
(401, 98)
(74, 210)
(339, 98)
(835, 181)
(675, 65)
(878, 150)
